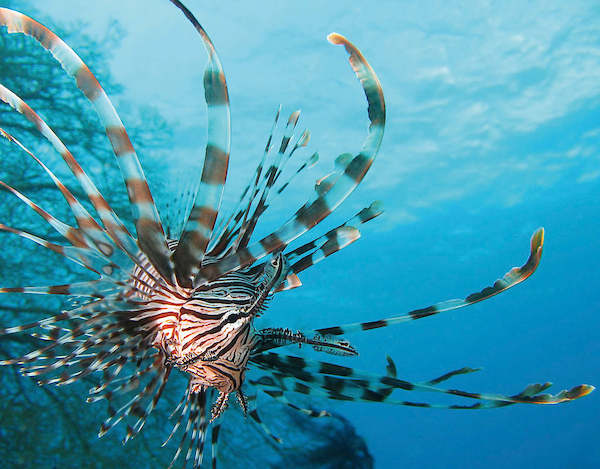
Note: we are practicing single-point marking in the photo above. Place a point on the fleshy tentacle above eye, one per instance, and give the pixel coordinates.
(350, 175)
(151, 238)
(200, 223)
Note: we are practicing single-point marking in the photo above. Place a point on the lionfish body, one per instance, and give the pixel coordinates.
(191, 303)
(207, 331)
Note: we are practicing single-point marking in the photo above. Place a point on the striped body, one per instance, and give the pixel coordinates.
(192, 304)
(206, 332)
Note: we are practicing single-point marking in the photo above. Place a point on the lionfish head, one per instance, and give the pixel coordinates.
(209, 334)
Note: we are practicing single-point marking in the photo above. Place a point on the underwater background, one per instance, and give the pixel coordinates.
(493, 130)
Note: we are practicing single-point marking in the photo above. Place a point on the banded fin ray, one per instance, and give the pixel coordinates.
(311, 214)
(270, 338)
(240, 225)
(308, 163)
(331, 242)
(151, 238)
(227, 228)
(93, 288)
(214, 444)
(199, 226)
(82, 256)
(255, 416)
(342, 383)
(532, 394)
(85, 222)
(114, 226)
(71, 234)
(280, 397)
(85, 257)
(267, 183)
(151, 391)
(194, 411)
(513, 277)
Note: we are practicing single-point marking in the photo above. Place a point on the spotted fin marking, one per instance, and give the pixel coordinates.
(151, 238)
(513, 277)
(199, 226)
(312, 213)
(342, 383)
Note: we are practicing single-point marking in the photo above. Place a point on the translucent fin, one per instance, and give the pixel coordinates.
(149, 229)
(342, 383)
(313, 212)
(513, 277)
(199, 226)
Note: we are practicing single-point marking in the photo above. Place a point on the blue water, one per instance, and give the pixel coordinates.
(492, 131)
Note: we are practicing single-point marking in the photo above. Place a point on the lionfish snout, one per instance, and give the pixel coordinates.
(274, 273)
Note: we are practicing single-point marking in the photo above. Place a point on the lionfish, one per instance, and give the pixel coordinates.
(160, 304)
